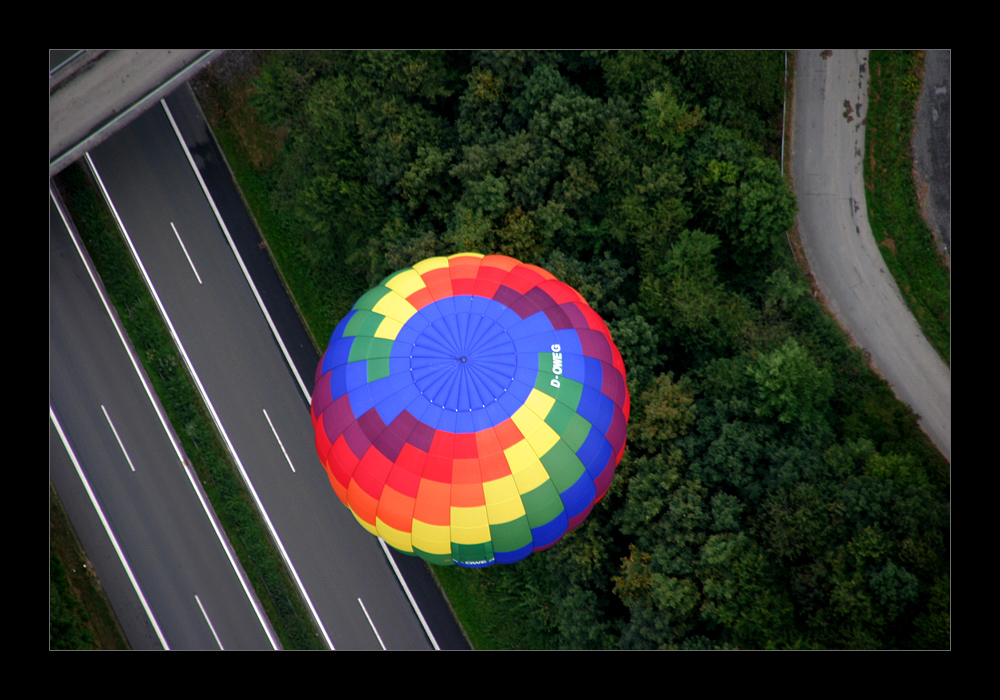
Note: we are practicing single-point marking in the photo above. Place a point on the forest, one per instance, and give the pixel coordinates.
(773, 492)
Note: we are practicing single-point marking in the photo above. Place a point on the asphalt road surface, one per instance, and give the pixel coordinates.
(831, 94)
(251, 381)
(932, 145)
(136, 505)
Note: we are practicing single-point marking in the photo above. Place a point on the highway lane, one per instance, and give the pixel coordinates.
(286, 325)
(137, 508)
(831, 96)
(345, 577)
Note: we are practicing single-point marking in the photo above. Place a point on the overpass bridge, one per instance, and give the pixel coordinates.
(95, 92)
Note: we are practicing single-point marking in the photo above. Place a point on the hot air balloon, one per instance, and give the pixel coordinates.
(470, 409)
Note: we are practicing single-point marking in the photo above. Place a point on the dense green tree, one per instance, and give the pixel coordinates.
(633, 75)
(802, 521)
(895, 588)
(750, 204)
(692, 306)
(666, 411)
(726, 512)
(902, 469)
(599, 281)
(934, 624)
(741, 595)
(791, 385)
(773, 493)
(637, 341)
(741, 89)
(667, 121)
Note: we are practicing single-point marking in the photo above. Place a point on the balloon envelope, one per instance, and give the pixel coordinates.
(470, 409)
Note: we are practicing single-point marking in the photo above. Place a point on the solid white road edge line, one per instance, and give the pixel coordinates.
(107, 529)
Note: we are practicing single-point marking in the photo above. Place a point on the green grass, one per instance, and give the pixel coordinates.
(80, 616)
(906, 242)
(202, 444)
(494, 612)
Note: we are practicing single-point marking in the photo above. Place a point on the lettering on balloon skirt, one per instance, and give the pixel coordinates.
(556, 364)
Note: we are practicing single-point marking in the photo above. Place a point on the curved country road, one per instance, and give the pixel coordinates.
(828, 142)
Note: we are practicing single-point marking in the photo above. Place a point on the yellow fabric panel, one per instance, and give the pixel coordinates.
(435, 539)
(395, 538)
(389, 328)
(469, 525)
(529, 420)
(503, 502)
(430, 264)
(527, 471)
(406, 283)
(525, 419)
(542, 438)
(466, 255)
(394, 306)
(539, 402)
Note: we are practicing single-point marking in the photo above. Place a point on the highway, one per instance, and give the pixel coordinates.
(135, 503)
(253, 363)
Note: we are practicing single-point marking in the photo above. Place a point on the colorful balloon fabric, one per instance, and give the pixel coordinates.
(471, 409)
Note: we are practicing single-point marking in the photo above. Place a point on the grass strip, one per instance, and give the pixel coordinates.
(191, 422)
(80, 616)
(907, 244)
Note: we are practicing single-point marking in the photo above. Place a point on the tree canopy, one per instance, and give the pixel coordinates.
(774, 494)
